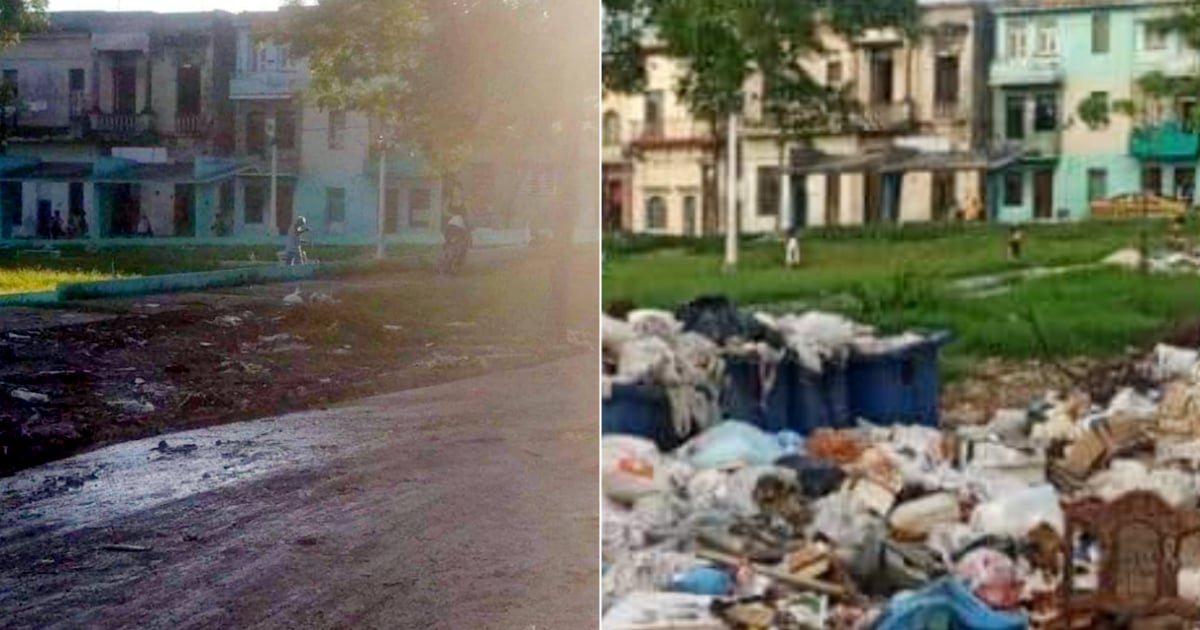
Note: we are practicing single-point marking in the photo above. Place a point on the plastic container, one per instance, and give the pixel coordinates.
(798, 400)
(641, 410)
(747, 397)
(900, 386)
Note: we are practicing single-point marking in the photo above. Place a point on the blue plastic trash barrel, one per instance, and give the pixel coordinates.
(641, 410)
(901, 386)
(747, 396)
(818, 399)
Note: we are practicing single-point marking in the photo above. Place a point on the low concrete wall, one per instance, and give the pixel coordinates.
(173, 282)
(41, 298)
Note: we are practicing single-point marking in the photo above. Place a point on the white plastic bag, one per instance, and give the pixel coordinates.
(1017, 513)
(631, 468)
(648, 322)
(1174, 362)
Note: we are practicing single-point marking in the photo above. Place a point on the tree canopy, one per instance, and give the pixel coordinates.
(450, 76)
(725, 42)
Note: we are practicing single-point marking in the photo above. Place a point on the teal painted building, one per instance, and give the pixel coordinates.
(1051, 56)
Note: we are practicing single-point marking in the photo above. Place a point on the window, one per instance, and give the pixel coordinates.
(612, 129)
(285, 129)
(1156, 37)
(1014, 117)
(255, 201)
(75, 83)
(419, 205)
(689, 215)
(335, 206)
(945, 82)
(1187, 114)
(337, 130)
(1152, 180)
(1014, 188)
(1100, 32)
(882, 76)
(1016, 41)
(833, 73)
(1047, 38)
(1045, 112)
(75, 79)
(768, 191)
(653, 113)
(656, 213)
(1097, 184)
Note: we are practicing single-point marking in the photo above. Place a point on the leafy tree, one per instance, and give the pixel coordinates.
(450, 78)
(1093, 111)
(725, 42)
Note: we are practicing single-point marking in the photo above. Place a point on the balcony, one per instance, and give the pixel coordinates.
(1026, 71)
(117, 124)
(190, 125)
(679, 132)
(1040, 144)
(1172, 63)
(951, 112)
(1163, 141)
(882, 117)
(266, 84)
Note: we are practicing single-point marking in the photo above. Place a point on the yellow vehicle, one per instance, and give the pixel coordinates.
(1134, 205)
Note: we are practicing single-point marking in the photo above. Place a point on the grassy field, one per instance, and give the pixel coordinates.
(902, 278)
(24, 270)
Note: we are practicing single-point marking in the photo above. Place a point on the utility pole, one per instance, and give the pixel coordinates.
(379, 246)
(274, 211)
(731, 209)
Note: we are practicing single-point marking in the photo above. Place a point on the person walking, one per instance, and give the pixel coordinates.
(791, 251)
(293, 253)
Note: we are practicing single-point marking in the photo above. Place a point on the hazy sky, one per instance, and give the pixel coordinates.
(233, 6)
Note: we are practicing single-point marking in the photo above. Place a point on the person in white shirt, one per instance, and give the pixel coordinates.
(791, 252)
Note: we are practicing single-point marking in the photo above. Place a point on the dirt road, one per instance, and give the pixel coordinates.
(470, 504)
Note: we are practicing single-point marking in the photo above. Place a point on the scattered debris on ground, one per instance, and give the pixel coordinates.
(978, 522)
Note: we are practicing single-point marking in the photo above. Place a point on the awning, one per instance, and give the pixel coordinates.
(136, 174)
(898, 159)
(811, 161)
(956, 160)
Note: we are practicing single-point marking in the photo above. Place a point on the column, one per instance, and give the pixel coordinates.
(785, 200)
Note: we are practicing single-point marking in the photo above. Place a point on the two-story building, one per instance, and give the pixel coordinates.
(917, 149)
(116, 126)
(1054, 55)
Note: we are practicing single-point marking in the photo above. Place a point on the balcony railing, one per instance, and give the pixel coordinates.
(948, 111)
(266, 84)
(77, 103)
(189, 125)
(1026, 71)
(667, 131)
(886, 116)
(116, 123)
(1036, 144)
(1164, 141)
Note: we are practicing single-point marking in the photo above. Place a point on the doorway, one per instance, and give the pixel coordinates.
(126, 210)
(183, 223)
(44, 218)
(833, 198)
(942, 198)
(124, 89)
(799, 201)
(284, 196)
(1043, 194)
(872, 197)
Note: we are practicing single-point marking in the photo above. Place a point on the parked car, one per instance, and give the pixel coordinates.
(1134, 205)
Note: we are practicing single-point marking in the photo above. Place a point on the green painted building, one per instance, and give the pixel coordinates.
(1052, 56)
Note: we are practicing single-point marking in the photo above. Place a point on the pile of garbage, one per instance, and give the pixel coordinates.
(686, 353)
(889, 527)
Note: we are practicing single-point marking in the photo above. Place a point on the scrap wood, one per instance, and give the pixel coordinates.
(819, 586)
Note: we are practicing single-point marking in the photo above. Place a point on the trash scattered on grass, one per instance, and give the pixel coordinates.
(129, 405)
(29, 396)
(229, 321)
(294, 298)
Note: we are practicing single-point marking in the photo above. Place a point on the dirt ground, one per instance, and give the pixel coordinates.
(469, 504)
(99, 372)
